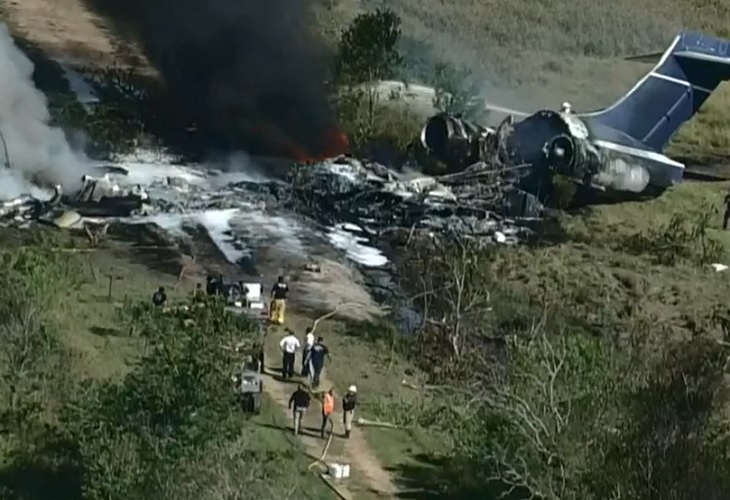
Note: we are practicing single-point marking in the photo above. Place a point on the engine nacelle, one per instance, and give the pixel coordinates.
(454, 141)
(548, 142)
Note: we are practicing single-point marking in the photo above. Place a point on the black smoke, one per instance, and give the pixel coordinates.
(250, 71)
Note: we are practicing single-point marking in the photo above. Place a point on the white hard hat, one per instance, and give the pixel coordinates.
(352, 389)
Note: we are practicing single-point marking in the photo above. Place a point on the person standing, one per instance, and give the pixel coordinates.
(317, 355)
(298, 403)
(289, 346)
(159, 298)
(308, 343)
(328, 408)
(726, 215)
(279, 293)
(349, 402)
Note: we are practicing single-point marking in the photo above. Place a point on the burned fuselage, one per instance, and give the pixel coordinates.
(549, 143)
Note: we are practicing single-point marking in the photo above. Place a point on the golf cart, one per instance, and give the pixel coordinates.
(240, 297)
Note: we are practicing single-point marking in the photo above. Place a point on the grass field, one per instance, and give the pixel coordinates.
(88, 325)
(528, 55)
(538, 54)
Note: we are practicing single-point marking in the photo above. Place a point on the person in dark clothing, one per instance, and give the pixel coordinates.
(279, 293)
(243, 290)
(298, 403)
(726, 215)
(159, 298)
(213, 285)
(317, 355)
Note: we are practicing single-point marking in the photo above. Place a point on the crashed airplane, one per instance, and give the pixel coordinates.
(617, 149)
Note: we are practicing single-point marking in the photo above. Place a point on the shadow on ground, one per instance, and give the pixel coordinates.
(432, 478)
(104, 331)
(150, 246)
(31, 479)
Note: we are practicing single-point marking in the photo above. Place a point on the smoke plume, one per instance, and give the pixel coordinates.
(251, 71)
(34, 150)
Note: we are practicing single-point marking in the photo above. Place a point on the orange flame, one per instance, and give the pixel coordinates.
(336, 144)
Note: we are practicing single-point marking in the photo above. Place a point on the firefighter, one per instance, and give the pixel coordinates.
(279, 293)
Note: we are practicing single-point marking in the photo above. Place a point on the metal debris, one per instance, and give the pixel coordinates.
(474, 203)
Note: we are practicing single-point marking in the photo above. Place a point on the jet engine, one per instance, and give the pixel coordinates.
(454, 140)
(547, 142)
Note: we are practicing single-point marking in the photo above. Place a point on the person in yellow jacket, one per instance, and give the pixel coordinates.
(279, 293)
(328, 408)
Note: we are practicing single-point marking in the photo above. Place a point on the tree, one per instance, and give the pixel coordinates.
(530, 434)
(169, 411)
(368, 53)
(448, 281)
(455, 91)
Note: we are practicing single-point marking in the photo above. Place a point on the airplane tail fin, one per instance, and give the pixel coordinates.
(672, 92)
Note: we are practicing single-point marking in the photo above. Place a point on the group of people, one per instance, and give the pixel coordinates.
(314, 354)
(300, 401)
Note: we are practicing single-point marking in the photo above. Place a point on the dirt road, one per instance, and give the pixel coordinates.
(369, 478)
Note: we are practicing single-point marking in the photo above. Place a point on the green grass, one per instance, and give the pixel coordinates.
(100, 348)
(597, 279)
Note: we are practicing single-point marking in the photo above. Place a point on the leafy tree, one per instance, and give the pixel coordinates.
(368, 53)
(168, 411)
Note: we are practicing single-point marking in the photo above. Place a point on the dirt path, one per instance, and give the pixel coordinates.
(66, 30)
(367, 470)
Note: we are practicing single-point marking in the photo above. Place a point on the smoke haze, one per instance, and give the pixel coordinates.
(249, 70)
(35, 150)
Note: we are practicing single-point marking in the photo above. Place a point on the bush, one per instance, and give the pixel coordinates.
(684, 238)
(173, 406)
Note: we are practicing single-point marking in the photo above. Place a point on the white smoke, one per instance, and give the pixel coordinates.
(36, 152)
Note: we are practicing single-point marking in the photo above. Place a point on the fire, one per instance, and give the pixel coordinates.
(336, 144)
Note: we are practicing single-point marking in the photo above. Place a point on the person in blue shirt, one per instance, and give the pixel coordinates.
(317, 355)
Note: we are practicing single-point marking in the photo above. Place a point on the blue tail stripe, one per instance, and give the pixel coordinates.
(671, 93)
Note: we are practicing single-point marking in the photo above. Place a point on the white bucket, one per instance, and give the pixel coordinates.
(336, 471)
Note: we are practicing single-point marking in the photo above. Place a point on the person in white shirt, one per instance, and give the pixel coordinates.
(308, 343)
(289, 346)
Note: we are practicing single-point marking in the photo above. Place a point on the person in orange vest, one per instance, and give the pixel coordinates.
(328, 408)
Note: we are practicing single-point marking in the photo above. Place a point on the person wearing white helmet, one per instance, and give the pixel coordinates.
(566, 108)
(349, 402)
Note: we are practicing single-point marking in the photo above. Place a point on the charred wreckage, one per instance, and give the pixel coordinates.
(500, 178)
